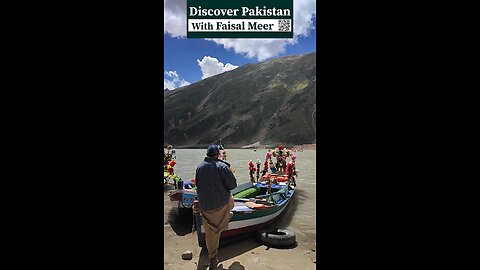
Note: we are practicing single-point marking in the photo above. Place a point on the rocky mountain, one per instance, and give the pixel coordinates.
(270, 102)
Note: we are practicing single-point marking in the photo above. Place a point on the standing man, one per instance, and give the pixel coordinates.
(214, 181)
(221, 145)
(223, 151)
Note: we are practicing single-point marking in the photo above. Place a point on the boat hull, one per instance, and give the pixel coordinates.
(245, 222)
(236, 228)
(185, 197)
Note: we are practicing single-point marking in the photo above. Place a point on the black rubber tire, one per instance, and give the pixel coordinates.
(277, 237)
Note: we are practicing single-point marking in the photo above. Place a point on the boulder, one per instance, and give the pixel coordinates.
(187, 255)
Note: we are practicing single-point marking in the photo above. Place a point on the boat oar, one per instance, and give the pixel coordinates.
(270, 191)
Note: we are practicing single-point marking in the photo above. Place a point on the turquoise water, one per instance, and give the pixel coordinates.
(300, 215)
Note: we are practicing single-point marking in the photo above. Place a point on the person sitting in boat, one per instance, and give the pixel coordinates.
(214, 181)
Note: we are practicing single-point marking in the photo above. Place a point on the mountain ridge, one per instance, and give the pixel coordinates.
(269, 102)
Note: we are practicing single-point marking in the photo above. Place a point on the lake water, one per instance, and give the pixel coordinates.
(300, 216)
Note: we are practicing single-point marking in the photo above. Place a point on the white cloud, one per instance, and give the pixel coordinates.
(174, 82)
(168, 84)
(303, 14)
(183, 83)
(255, 48)
(173, 75)
(175, 17)
(210, 66)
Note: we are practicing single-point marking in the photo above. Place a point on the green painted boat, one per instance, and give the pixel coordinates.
(255, 207)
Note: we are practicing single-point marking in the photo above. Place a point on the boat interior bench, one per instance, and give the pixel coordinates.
(255, 192)
(248, 193)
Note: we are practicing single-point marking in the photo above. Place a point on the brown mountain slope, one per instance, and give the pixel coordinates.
(270, 102)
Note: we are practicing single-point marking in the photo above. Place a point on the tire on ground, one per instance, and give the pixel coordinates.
(277, 237)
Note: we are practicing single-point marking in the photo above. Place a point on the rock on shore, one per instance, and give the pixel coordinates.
(244, 254)
(187, 255)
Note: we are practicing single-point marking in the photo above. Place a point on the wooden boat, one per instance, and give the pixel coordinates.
(255, 207)
(183, 195)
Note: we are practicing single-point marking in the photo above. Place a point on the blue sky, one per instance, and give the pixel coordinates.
(181, 66)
